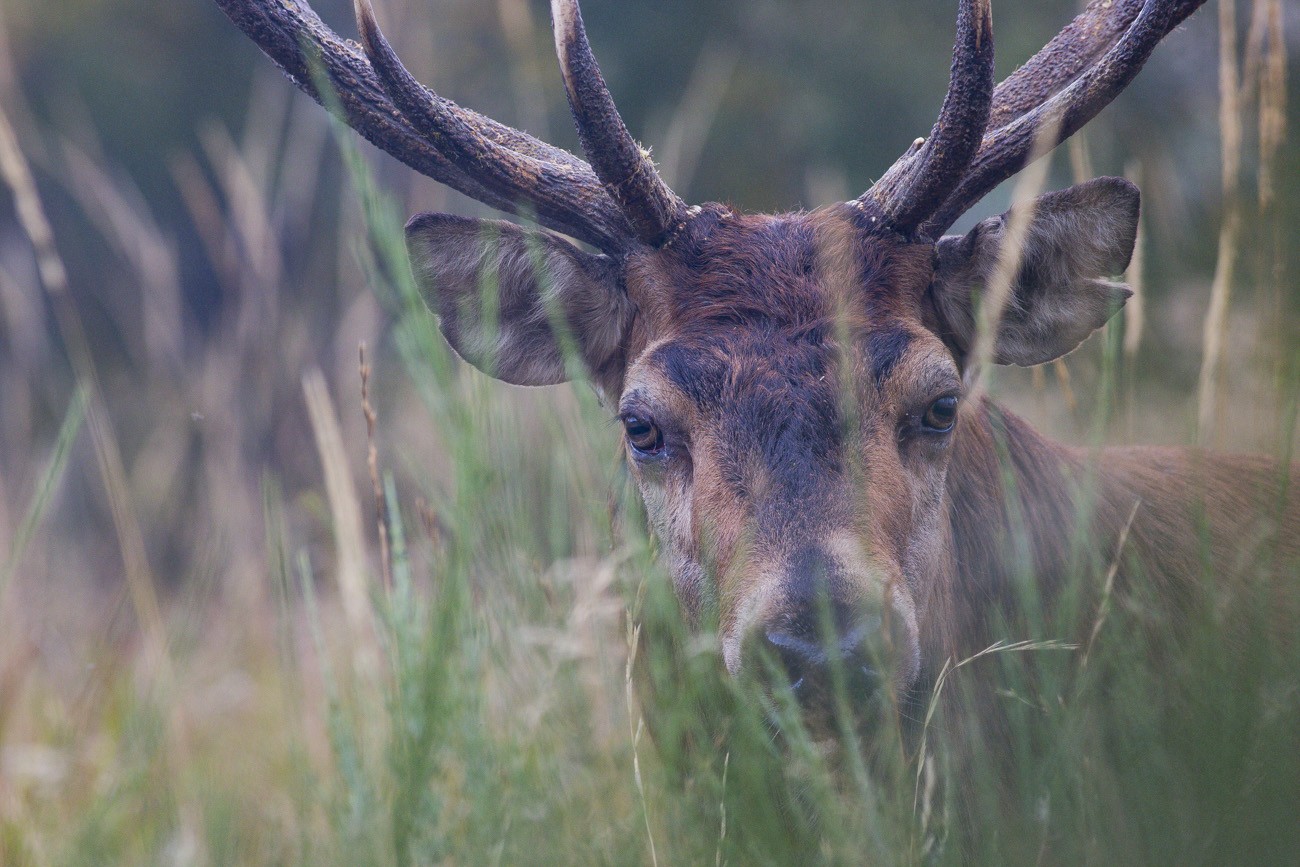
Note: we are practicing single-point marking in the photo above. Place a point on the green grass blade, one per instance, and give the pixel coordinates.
(49, 480)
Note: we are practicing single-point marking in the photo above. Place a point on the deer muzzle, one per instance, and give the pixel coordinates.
(834, 632)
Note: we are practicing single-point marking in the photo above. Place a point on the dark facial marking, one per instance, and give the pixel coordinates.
(695, 370)
(781, 412)
(885, 348)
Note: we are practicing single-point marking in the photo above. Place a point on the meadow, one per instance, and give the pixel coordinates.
(282, 581)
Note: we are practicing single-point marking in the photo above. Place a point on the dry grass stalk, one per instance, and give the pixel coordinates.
(204, 210)
(945, 673)
(1000, 284)
(6, 537)
(345, 510)
(122, 217)
(722, 811)
(429, 522)
(1253, 61)
(54, 277)
(1039, 380)
(1063, 381)
(372, 464)
(1103, 607)
(254, 233)
(635, 729)
(530, 93)
(1272, 133)
(31, 216)
(1230, 131)
(1272, 105)
(157, 666)
(1080, 158)
(691, 122)
(269, 104)
(1081, 168)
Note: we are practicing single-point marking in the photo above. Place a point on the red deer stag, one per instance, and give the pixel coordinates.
(791, 387)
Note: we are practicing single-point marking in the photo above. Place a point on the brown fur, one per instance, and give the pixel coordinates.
(786, 363)
(1200, 521)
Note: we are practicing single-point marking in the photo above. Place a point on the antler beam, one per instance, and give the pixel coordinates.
(292, 35)
(1068, 82)
(983, 134)
(1072, 78)
(555, 189)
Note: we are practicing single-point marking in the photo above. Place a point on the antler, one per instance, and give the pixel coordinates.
(924, 176)
(620, 198)
(555, 189)
(1067, 82)
(488, 161)
(1034, 95)
(620, 163)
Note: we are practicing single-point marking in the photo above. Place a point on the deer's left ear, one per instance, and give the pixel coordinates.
(1078, 238)
(514, 302)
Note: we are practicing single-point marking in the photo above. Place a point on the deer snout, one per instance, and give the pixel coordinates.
(832, 628)
(829, 626)
(810, 665)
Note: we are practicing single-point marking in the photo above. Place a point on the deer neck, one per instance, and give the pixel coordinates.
(1014, 509)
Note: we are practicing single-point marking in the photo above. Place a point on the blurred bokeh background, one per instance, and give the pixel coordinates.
(214, 256)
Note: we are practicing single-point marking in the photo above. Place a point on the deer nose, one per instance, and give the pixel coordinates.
(820, 640)
(812, 666)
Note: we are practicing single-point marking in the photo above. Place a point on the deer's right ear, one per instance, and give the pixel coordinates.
(511, 301)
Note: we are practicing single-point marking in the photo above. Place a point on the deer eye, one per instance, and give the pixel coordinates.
(643, 435)
(941, 415)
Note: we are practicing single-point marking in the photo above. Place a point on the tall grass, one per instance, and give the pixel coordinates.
(511, 682)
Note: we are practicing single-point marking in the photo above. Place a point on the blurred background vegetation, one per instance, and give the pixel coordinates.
(216, 255)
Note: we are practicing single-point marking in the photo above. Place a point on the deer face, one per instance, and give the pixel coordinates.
(787, 424)
(790, 389)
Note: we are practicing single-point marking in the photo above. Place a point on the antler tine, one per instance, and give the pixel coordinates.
(920, 180)
(1076, 47)
(308, 51)
(556, 190)
(622, 165)
(1079, 44)
(1031, 96)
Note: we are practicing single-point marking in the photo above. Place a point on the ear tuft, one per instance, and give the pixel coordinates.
(509, 299)
(1077, 239)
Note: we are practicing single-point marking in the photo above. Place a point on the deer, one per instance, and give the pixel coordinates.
(793, 389)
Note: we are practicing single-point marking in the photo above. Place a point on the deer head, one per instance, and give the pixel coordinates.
(790, 387)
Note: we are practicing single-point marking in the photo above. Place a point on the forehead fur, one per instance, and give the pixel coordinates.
(758, 381)
(789, 272)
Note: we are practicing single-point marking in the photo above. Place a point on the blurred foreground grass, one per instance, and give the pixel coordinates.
(470, 703)
(278, 683)
(463, 694)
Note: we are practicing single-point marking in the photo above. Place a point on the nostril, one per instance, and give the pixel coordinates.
(810, 667)
(800, 659)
